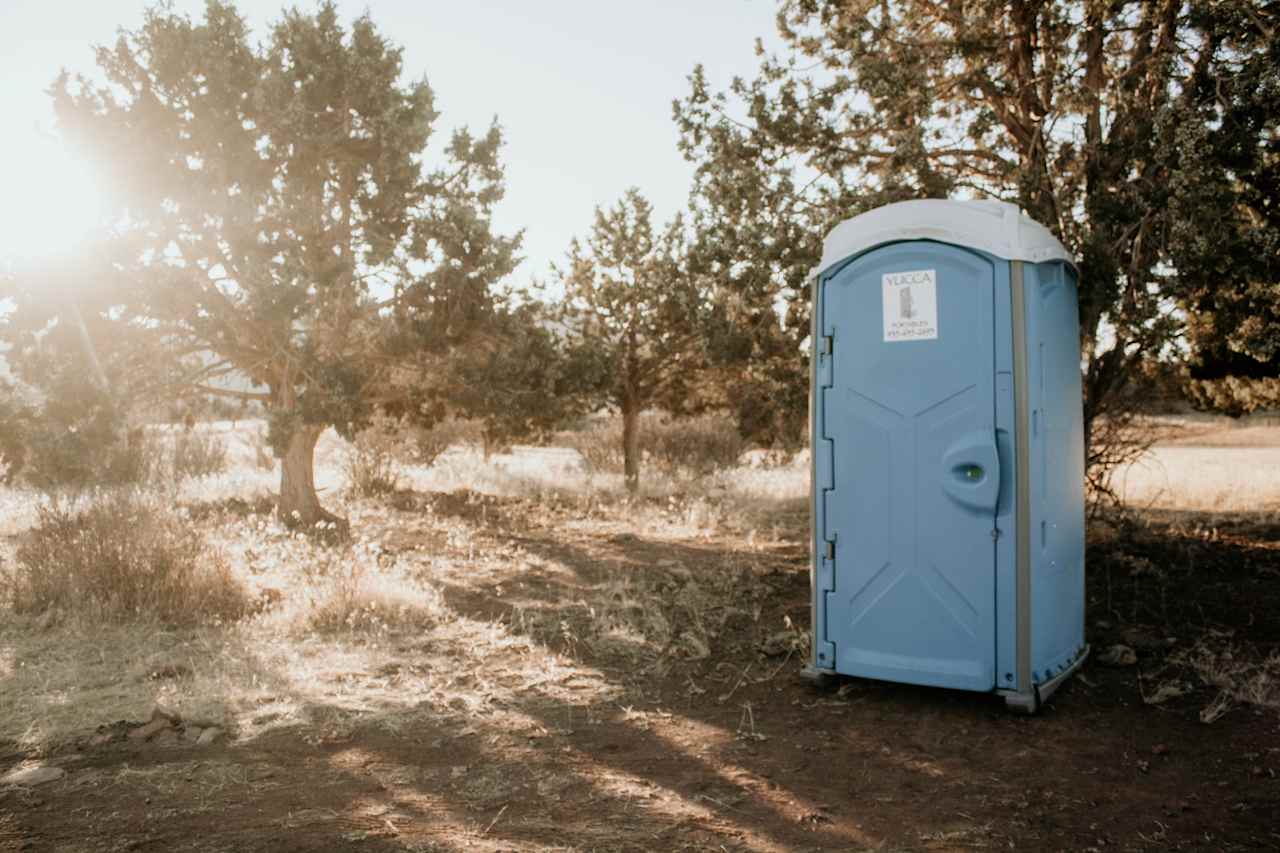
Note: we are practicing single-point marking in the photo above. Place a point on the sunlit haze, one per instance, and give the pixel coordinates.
(50, 204)
(583, 90)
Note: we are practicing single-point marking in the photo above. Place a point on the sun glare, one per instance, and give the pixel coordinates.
(50, 200)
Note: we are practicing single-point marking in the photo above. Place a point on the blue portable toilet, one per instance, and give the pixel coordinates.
(948, 452)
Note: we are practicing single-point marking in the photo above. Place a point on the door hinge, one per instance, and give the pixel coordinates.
(825, 346)
(827, 567)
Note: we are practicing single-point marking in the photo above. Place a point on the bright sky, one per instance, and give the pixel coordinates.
(583, 89)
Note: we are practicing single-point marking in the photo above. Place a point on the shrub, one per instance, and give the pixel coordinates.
(198, 454)
(78, 461)
(121, 557)
(14, 432)
(361, 598)
(431, 443)
(600, 445)
(696, 447)
(370, 470)
(77, 437)
(370, 462)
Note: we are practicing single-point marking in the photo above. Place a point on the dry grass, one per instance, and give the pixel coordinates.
(197, 454)
(1239, 676)
(684, 448)
(339, 637)
(1202, 430)
(344, 638)
(648, 616)
(1213, 467)
(375, 634)
(119, 556)
(1208, 466)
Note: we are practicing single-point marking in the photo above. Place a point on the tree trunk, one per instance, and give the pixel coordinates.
(299, 506)
(631, 443)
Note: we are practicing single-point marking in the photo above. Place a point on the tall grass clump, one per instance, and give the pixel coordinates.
(120, 556)
(198, 454)
(363, 598)
(371, 462)
(599, 443)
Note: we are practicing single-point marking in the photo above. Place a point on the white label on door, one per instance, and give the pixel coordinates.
(910, 305)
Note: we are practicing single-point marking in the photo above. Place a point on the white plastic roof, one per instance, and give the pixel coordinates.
(995, 227)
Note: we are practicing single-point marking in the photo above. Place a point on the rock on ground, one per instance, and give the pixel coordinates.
(32, 776)
(209, 735)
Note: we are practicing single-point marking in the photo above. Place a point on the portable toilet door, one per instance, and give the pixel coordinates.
(948, 452)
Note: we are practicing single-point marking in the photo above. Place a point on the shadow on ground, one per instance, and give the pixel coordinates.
(623, 702)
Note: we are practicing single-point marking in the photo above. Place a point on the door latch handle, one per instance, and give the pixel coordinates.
(971, 471)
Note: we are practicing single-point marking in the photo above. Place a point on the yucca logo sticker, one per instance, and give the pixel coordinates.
(910, 302)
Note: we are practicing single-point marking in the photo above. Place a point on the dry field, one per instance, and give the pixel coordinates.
(1208, 465)
(514, 655)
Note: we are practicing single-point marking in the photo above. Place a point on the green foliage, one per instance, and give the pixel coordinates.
(79, 438)
(15, 426)
(123, 557)
(66, 420)
(284, 226)
(519, 381)
(1059, 106)
(635, 314)
(629, 296)
(1221, 141)
(74, 436)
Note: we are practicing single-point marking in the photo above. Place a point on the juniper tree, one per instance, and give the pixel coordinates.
(1221, 140)
(634, 314)
(1056, 106)
(279, 221)
(517, 377)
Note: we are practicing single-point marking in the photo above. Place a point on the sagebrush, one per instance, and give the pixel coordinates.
(695, 446)
(429, 444)
(197, 454)
(370, 463)
(121, 556)
(688, 447)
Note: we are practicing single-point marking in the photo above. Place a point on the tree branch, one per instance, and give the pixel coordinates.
(232, 392)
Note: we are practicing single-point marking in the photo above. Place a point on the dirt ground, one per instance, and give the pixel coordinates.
(563, 736)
